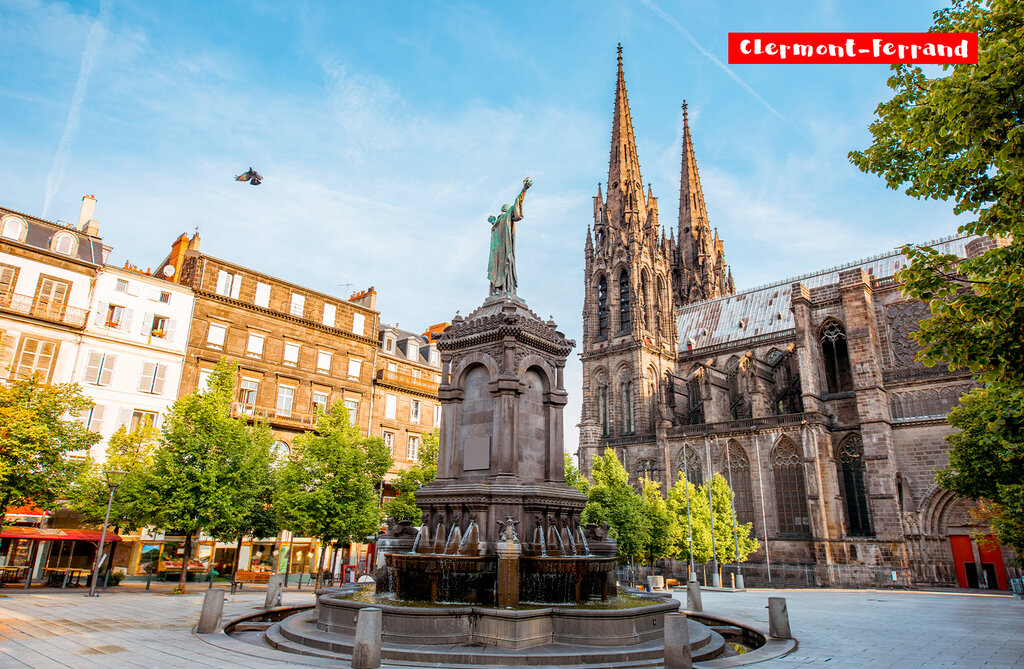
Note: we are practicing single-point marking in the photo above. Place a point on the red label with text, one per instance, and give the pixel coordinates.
(854, 48)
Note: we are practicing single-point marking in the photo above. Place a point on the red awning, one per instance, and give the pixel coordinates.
(53, 534)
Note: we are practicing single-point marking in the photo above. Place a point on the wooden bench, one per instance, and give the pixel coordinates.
(671, 583)
(250, 577)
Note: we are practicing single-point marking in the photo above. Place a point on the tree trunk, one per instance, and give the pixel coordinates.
(184, 561)
(238, 559)
(324, 548)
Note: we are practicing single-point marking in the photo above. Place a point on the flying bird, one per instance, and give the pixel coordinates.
(252, 176)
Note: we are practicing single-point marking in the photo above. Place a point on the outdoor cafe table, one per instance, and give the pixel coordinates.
(11, 575)
(55, 576)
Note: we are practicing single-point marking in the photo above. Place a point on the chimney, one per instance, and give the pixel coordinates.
(86, 223)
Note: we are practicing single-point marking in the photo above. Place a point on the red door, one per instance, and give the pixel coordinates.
(962, 552)
(992, 555)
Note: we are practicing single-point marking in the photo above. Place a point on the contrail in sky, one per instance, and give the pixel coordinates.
(693, 40)
(93, 44)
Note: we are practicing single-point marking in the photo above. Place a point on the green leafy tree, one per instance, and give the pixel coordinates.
(36, 437)
(700, 520)
(403, 507)
(129, 452)
(201, 470)
(663, 536)
(328, 488)
(611, 499)
(960, 135)
(574, 477)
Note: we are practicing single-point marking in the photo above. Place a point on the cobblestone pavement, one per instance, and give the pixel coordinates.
(887, 628)
(851, 628)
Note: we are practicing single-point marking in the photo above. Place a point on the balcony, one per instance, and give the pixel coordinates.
(293, 419)
(26, 305)
(424, 385)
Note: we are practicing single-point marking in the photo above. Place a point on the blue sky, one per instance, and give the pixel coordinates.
(387, 132)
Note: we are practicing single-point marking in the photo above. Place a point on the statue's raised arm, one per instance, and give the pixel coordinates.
(501, 268)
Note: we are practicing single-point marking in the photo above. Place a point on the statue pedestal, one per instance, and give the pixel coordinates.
(508, 573)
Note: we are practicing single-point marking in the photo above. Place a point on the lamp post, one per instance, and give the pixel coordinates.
(114, 480)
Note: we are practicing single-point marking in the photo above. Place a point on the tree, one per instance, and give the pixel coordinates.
(960, 136)
(36, 437)
(201, 470)
(403, 507)
(700, 520)
(328, 488)
(129, 452)
(611, 500)
(663, 536)
(573, 476)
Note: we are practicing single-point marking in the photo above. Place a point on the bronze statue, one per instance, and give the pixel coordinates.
(501, 269)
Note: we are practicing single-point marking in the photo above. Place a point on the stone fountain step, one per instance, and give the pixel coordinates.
(299, 634)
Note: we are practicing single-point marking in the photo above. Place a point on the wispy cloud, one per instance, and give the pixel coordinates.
(725, 68)
(93, 44)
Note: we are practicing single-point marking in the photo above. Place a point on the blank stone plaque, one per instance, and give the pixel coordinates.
(476, 453)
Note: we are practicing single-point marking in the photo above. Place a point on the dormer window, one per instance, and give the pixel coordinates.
(64, 243)
(12, 227)
(389, 344)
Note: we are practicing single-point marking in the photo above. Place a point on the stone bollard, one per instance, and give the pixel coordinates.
(677, 642)
(739, 581)
(213, 611)
(693, 602)
(274, 591)
(778, 619)
(716, 580)
(366, 650)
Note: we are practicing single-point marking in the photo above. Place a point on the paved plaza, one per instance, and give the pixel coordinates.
(853, 628)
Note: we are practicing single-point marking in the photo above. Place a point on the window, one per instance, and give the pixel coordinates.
(692, 469)
(36, 357)
(100, 368)
(851, 482)
(358, 323)
(353, 410)
(737, 467)
(414, 411)
(165, 297)
(645, 301)
(788, 393)
(228, 284)
(836, 357)
(117, 317)
(203, 381)
(393, 367)
(627, 407)
(413, 452)
(152, 379)
(161, 327)
(248, 390)
(790, 491)
(437, 415)
(121, 286)
(390, 406)
(92, 418)
(64, 243)
(12, 228)
(291, 353)
(254, 347)
(354, 367)
(323, 361)
(280, 450)
(142, 418)
(602, 409)
(51, 296)
(330, 313)
(389, 344)
(389, 441)
(695, 401)
(320, 399)
(8, 279)
(412, 351)
(215, 335)
(435, 357)
(262, 295)
(298, 307)
(624, 320)
(602, 307)
(285, 399)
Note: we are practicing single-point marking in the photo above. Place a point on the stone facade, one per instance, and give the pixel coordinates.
(804, 393)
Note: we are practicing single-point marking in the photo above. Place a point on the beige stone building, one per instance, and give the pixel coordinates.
(803, 393)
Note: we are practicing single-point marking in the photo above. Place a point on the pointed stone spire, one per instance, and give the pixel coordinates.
(590, 243)
(692, 211)
(625, 184)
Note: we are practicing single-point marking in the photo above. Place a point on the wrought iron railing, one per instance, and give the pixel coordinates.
(753, 423)
(26, 305)
(272, 414)
(426, 385)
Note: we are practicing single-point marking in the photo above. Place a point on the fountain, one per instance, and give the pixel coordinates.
(465, 579)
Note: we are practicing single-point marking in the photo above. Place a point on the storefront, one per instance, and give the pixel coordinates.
(59, 556)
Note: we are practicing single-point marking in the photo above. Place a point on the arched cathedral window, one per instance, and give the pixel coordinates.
(790, 490)
(788, 392)
(645, 301)
(836, 356)
(851, 478)
(602, 409)
(690, 467)
(627, 407)
(602, 307)
(737, 472)
(624, 306)
(659, 304)
(646, 469)
(695, 401)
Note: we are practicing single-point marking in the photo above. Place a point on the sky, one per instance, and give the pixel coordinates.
(387, 133)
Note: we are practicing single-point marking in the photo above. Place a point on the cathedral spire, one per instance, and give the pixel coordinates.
(692, 212)
(625, 185)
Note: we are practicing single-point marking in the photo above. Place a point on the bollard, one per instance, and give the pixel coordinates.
(778, 619)
(366, 649)
(149, 577)
(273, 591)
(739, 581)
(693, 602)
(677, 642)
(716, 580)
(213, 611)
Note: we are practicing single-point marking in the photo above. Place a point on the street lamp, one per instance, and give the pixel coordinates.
(114, 480)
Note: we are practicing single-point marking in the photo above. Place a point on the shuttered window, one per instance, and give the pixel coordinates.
(100, 369)
(152, 379)
(36, 356)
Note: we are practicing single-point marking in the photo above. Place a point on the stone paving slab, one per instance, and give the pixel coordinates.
(848, 628)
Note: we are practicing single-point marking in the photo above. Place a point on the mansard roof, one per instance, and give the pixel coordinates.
(765, 310)
(39, 234)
